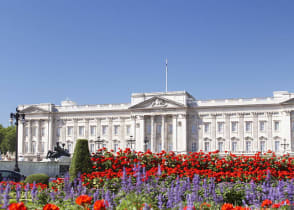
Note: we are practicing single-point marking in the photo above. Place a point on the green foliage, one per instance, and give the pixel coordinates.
(38, 178)
(81, 161)
(7, 139)
(132, 201)
(234, 195)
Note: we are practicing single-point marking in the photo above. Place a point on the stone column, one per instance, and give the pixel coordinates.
(122, 134)
(50, 134)
(163, 141)
(87, 129)
(255, 147)
(152, 142)
(286, 130)
(110, 145)
(30, 137)
(227, 130)
(175, 133)
(182, 146)
(134, 128)
(213, 132)
(241, 132)
(270, 142)
(75, 133)
(21, 137)
(140, 140)
(38, 134)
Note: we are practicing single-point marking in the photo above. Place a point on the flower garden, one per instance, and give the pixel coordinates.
(136, 180)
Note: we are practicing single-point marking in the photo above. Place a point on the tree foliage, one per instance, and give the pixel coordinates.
(7, 139)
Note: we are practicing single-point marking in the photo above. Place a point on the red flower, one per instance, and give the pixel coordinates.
(186, 207)
(100, 205)
(266, 203)
(50, 206)
(83, 200)
(276, 205)
(17, 206)
(227, 206)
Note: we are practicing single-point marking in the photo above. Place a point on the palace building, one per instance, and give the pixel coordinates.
(170, 121)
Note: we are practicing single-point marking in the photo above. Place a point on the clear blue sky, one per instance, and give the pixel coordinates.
(101, 51)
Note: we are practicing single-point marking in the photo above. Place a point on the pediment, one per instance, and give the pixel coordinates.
(157, 103)
(33, 109)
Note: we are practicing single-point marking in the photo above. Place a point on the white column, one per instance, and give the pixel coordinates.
(270, 142)
(109, 145)
(255, 146)
(286, 130)
(241, 133)
(21, 135)
(213, 132)
(152, 143)
(163, 139)
(122, 141)
(98, 128)
(134, 128)
(140, 141)
(227, 130)
(87, 129)
(30, 137)
(175, 132)
(75, 133)
(38, 134)
(182, 145)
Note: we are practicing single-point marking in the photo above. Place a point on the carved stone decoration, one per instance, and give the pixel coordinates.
(159, 103)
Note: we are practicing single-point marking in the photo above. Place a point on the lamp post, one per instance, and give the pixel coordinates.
(99, 141)
(146, 142)
(285, 145)
(16, 116)
(131, 142)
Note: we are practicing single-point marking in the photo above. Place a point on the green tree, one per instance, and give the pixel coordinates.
(81, 161)
(7, 139)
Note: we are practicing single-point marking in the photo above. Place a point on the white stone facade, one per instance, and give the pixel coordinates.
(165, 120)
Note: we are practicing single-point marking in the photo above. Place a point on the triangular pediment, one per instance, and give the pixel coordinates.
(33, 109)
(289, 101)
(157, 102)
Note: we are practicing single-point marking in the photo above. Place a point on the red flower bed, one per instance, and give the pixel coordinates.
(228, 168)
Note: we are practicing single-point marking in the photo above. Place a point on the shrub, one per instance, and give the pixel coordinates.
(81, 161)
(38, 178)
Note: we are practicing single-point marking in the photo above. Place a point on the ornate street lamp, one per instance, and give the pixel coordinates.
(131, 142)
(99, 142)
(17, 116)
(146, 142)
(285, 145)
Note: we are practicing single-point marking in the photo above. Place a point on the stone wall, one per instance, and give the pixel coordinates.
(51, 168)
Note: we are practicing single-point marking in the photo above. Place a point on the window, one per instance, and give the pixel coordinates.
(170, 146)
(128, 130)
(234, 126)
(206, 146)
(170, 129)
(277, 125)
(116, 127)
(234, 146)
(43, 131)
(277, 146)
(42, 147)
(261, 126)
(248, 126)
(206, 127)
(58, 132)
(248, 146)
(33, 147)
(91, 147)
(92, 130)
(220, 127)
(194, 146)
(26, 147)
(262, 146)
(26, 131)
(69, 131)
(69, 147)
(104, 129)
(220, 146)
(34, 131)
(81, 130)
(148, 129)
(115, 147)
(158, 129)
(193, 128)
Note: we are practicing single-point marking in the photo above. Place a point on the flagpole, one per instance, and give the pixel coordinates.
(166, 75)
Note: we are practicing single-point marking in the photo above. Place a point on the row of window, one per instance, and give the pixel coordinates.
(234, 126)
(248, 146)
